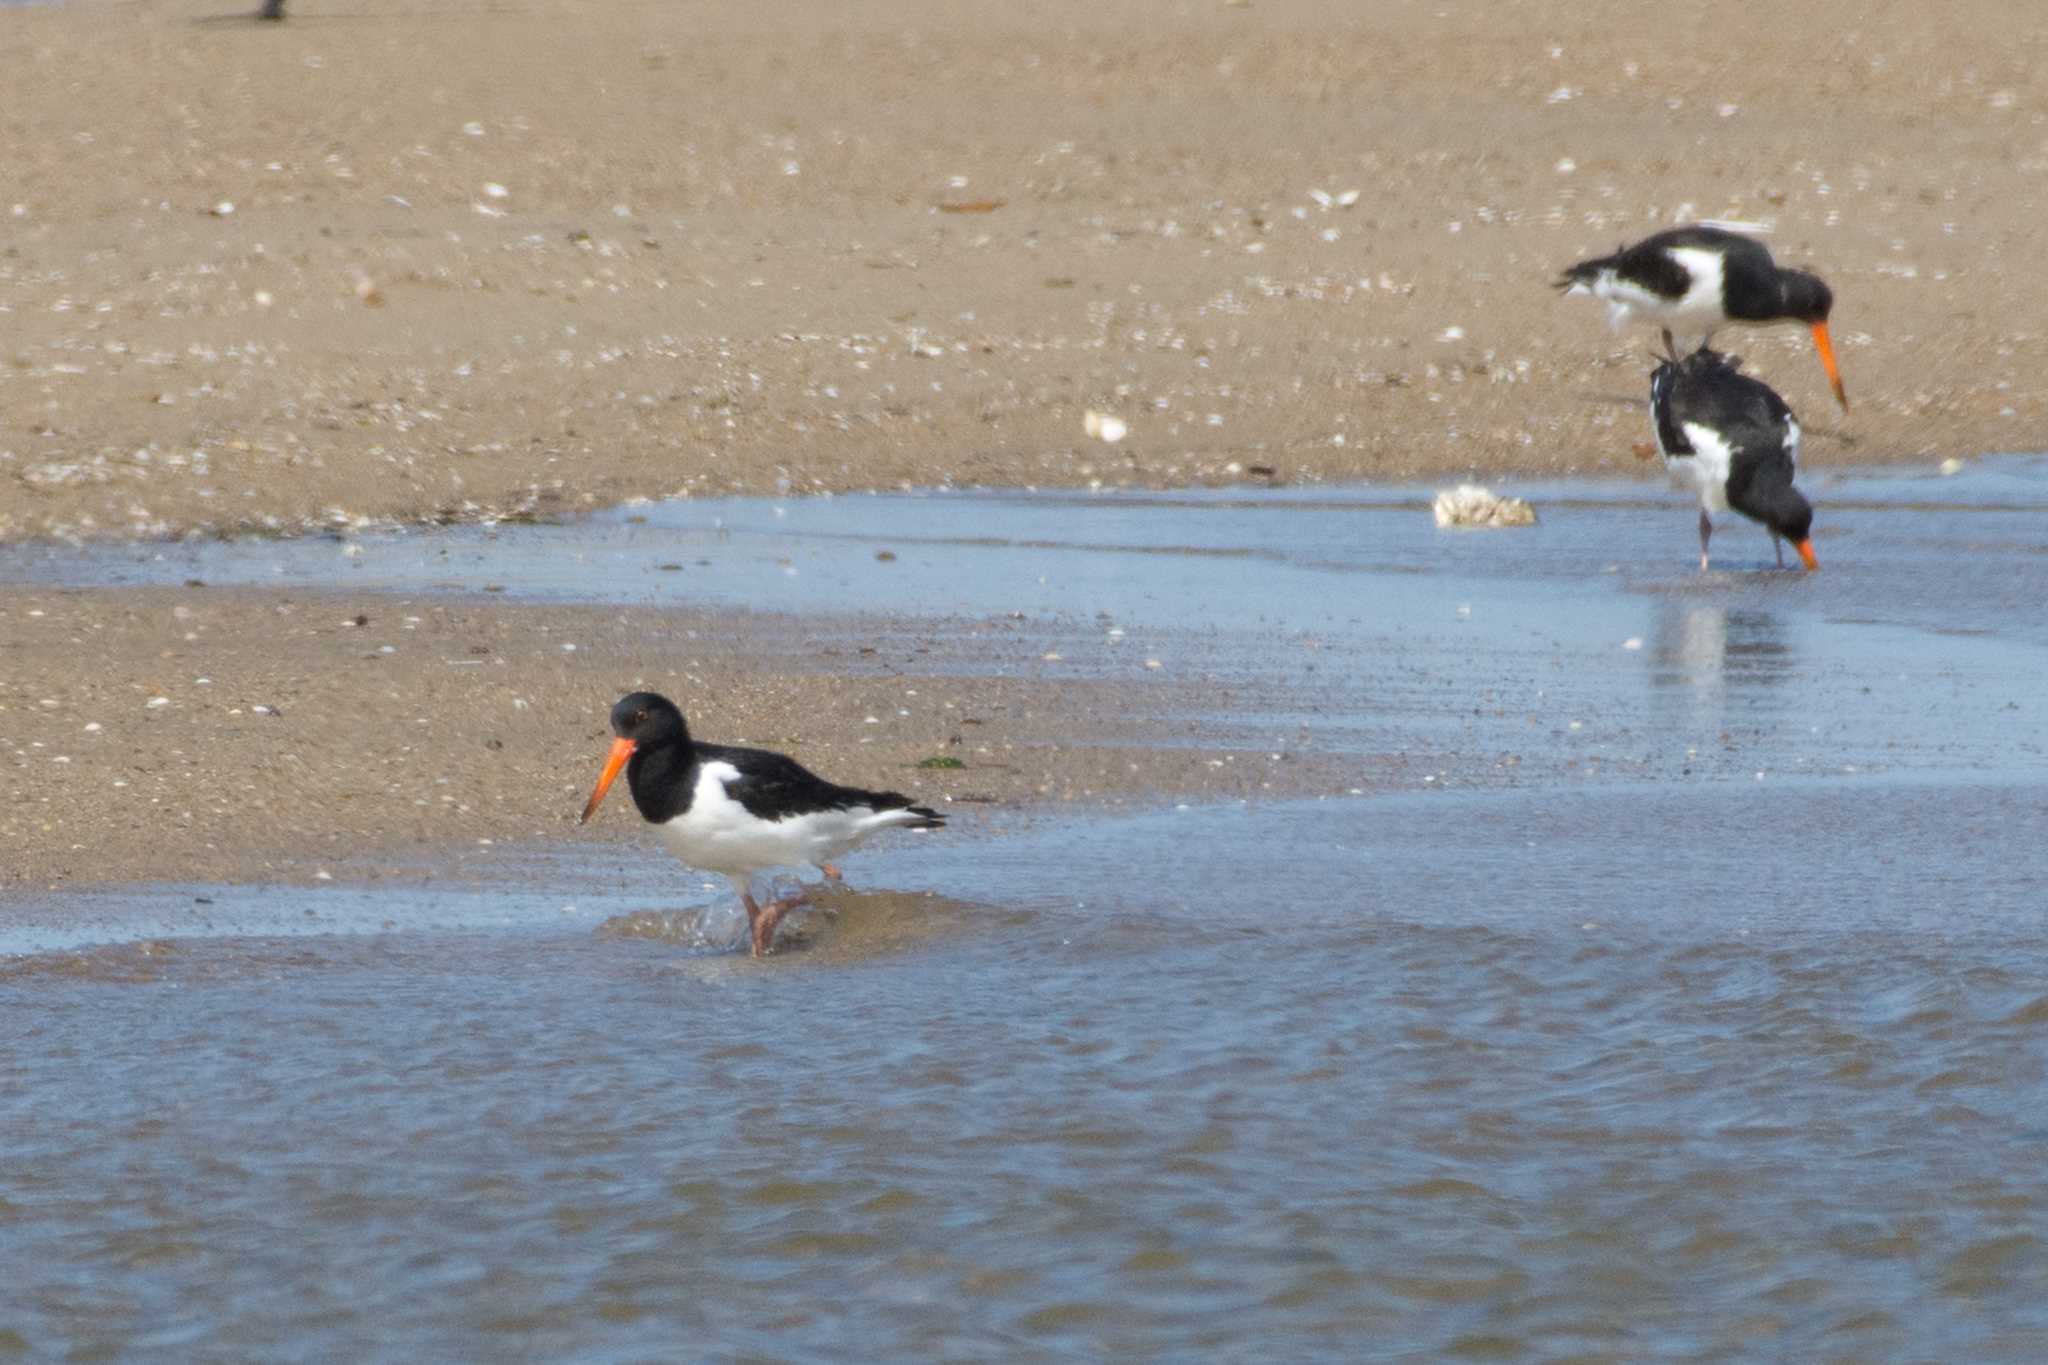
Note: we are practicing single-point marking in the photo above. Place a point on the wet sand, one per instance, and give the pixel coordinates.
(1110, 649)
(438, 724)
(401, 264)
(405, 262)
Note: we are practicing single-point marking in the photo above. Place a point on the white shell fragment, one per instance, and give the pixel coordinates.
(1746, 226)
(1470, 505)
(1104, 427)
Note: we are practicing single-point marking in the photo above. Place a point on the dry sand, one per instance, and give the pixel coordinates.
(717, 256)
(398, 261)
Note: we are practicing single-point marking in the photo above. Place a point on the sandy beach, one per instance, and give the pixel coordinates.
(387, 263)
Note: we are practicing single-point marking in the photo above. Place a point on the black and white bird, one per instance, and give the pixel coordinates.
(1733, 441)
(740, 811)
(1694, 279)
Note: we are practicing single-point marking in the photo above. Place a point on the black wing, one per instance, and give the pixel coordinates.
(1747, 412)
(1670, 435)
(1649, 263)
(774, 786)
(1645, 265)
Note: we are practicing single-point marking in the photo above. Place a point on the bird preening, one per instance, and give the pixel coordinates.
(1697, 278)
(740, 811)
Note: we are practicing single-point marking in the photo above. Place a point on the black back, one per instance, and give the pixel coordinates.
(1708, 389)
(666, 762)
(1753, 288)
(772, 785)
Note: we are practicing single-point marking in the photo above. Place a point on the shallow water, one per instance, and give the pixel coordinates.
(1494, 1074)
(1715, 1027)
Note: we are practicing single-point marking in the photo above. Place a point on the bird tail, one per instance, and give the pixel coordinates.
(894, 811)
(1580, 276)
(927, 818)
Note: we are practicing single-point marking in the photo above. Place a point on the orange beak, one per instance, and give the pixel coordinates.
(1827, 362)
(1805, 548)
(622, 749)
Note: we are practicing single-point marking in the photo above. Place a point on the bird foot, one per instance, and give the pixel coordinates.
(832, 872)
(763, 920)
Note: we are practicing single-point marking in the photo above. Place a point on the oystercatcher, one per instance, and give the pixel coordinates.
(1731, 439)
(739, 811)
(1701, 277)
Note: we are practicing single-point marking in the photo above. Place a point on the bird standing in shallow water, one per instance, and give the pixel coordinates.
(1697, 278)
(1731, 439)
(740, 811)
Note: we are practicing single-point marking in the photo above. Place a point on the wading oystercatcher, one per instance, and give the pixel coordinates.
(1732, 440)
(740, 811)
(1697, 278)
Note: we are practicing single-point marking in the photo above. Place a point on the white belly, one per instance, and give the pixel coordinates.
(1699, 308)
(718, 834)
(1704, 473)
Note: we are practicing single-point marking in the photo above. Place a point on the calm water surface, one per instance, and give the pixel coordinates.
(1689, 1002)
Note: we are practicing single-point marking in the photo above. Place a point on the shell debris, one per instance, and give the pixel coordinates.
(1104, 427)
(1471, 505)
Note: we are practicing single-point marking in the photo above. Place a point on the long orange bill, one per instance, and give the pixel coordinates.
(1827, 362)
(622, 749)
(1805, 548)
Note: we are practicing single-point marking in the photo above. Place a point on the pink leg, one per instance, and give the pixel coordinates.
(832, 872)
(763, 920)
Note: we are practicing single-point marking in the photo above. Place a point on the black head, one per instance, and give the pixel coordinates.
(1790, 514)
(1773, 501)
(648, 719)
(1807, 298)
(645, 724)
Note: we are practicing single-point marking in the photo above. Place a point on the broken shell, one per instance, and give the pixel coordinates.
(1104, 427)
(1470, 505)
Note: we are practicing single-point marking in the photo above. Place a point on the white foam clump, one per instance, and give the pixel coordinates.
(1470, 505)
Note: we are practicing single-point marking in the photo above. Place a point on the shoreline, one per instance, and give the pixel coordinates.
(246, 734)
(400, 266)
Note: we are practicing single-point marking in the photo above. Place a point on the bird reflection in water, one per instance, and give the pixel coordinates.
(1715, 650)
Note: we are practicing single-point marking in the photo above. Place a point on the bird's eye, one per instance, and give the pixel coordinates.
(639, 717)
